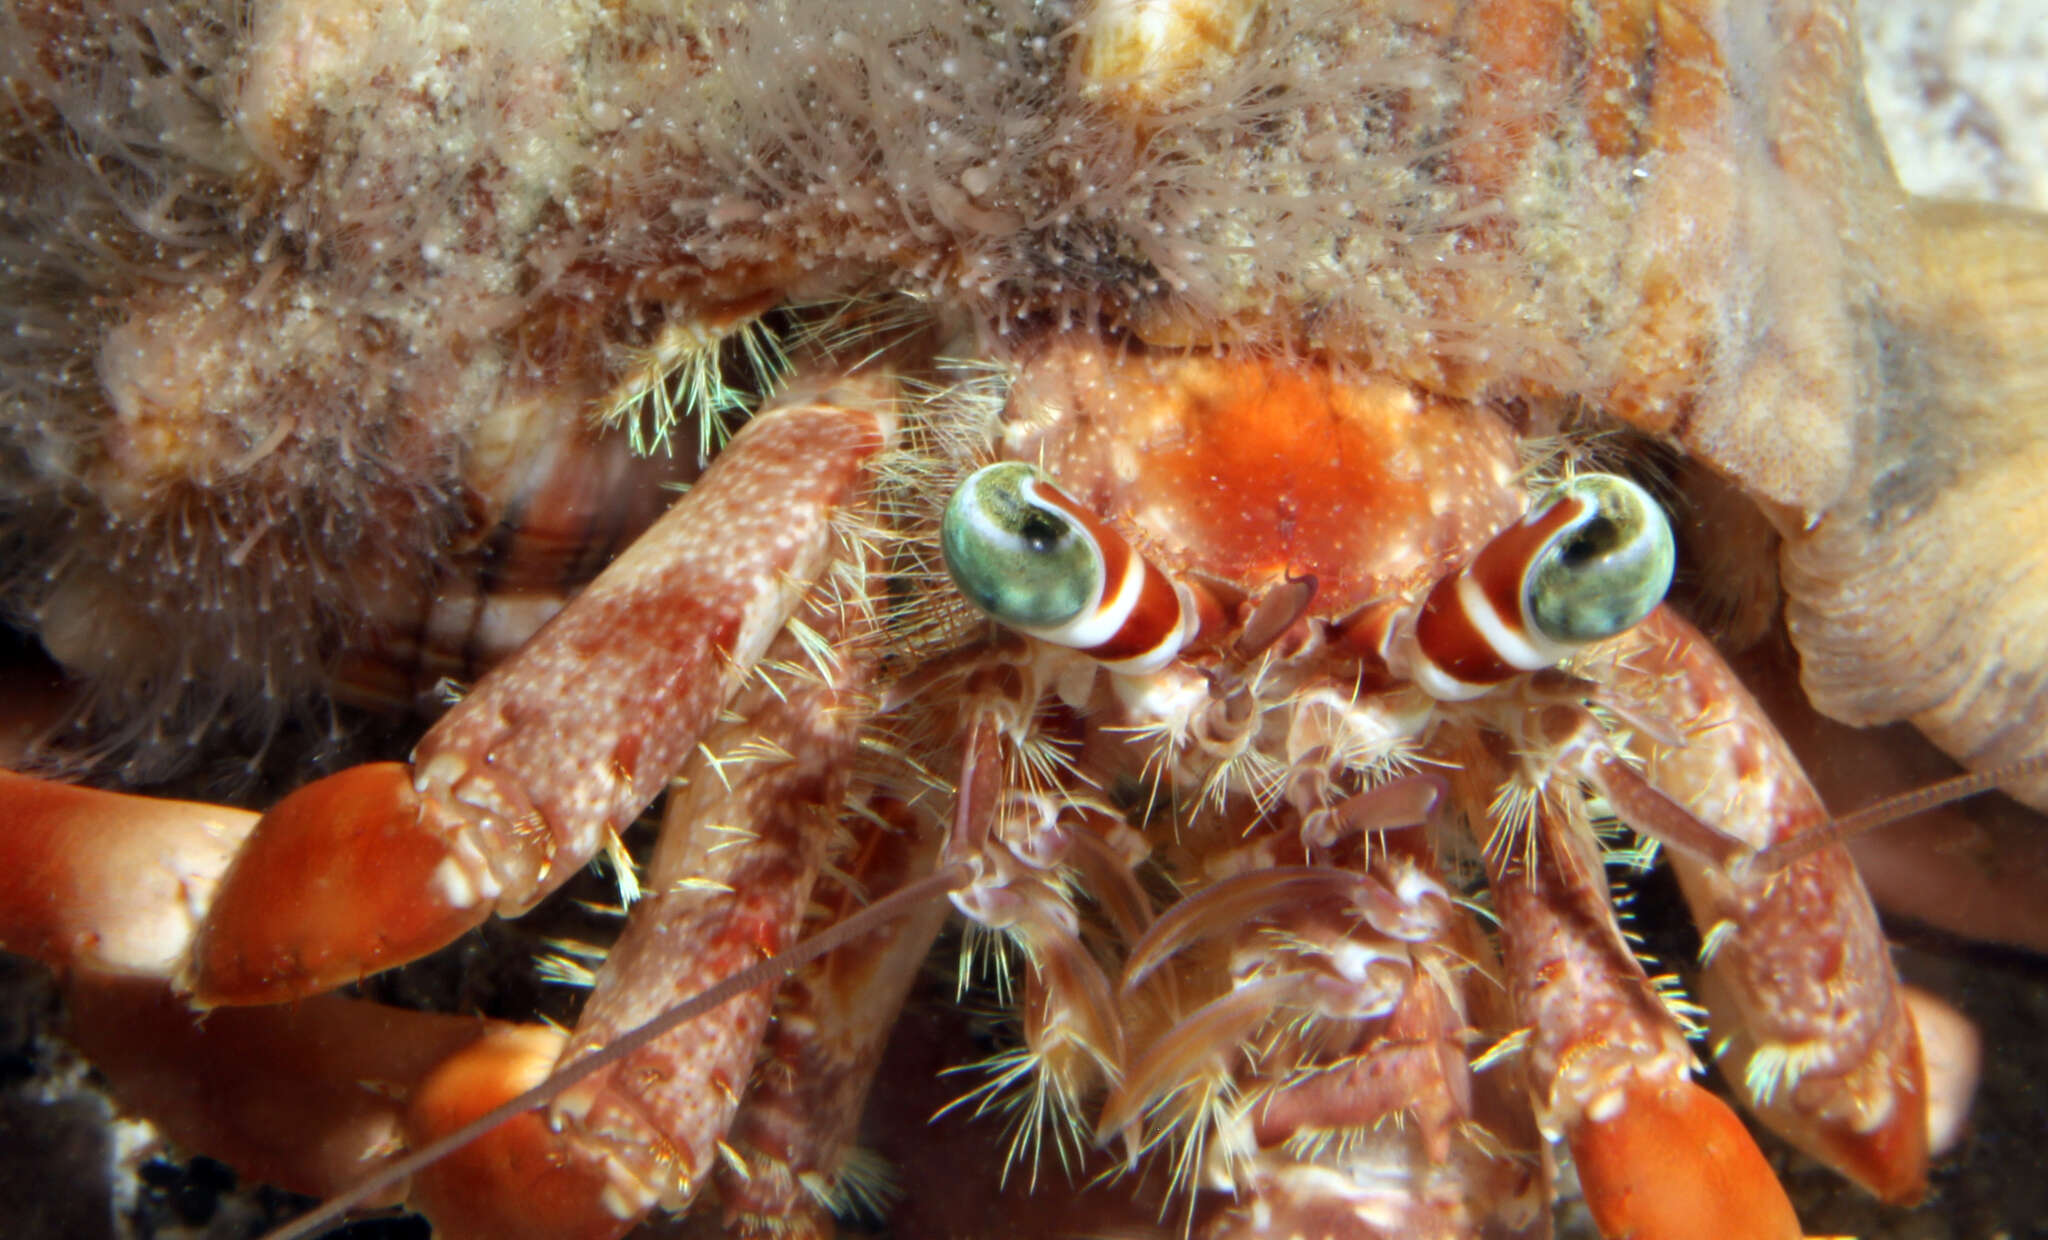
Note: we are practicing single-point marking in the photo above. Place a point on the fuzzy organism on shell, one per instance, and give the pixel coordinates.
(293, 293)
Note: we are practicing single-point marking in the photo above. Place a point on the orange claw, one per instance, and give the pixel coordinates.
(1888, 1158)
(338, 881)
(1676, 1164)
(521, 1180)
(102, 880)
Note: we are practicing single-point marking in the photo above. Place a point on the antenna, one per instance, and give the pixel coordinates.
(1890, 810)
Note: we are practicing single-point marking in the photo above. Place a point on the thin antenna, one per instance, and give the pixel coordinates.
(1890, 810)
(774, 969)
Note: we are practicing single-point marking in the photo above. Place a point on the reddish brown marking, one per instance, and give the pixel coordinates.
(1502, 565)
(1116, 549)
(729, 883)
(804, 1106)
(1445, 632)
(1671, 340)
(1620, 74)
(1151, 623)
(1518, 48)
(1414, 1067)
(1157, 615)
(639, 665)
(1807, 958)
(1891, 1159)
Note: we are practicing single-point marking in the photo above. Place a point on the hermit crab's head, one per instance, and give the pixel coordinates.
(1174, 491)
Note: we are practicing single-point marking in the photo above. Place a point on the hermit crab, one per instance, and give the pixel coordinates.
(1196, 497)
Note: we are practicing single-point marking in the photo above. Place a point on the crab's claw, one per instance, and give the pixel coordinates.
(554, 752)
(1674, 1163)
(339, 880)
(522, 1179)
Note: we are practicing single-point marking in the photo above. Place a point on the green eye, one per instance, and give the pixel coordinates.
(1015, 555)
(1606, 568)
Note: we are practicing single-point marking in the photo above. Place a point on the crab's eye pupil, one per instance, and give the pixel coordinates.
(1041, 531)
(1013, 555)
(1594, 537)
(1607, 569)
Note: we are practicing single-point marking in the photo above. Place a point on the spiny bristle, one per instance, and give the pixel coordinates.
(1636, 854)
(624, 869)
(731, 836)
(1715, 937)
(1157, 739)
(1378, 758)
(1689, 1016)
(1506, 1048)
(824, 660)
(986, 953)
(778, 676)
(1230, 765)
(856, 587)
(716, 760)
(947, 426)
(1043, 764)
(950, 423)
(681, 377)
(1549, 461)
(888, 762)
(571, 963)
(1511, 822)
(1478, 902)
(733, 1160)
(861, 1188)
(1184, 1123)
(1777, 1066)
(830, 876)
(1252, 772)
(858, 331)
(1041, 1113)
(1339, 1146)
(1546, 461)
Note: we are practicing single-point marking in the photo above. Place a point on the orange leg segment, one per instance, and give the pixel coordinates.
(1659, 1157)
(1675, 1163)
(98, 879)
